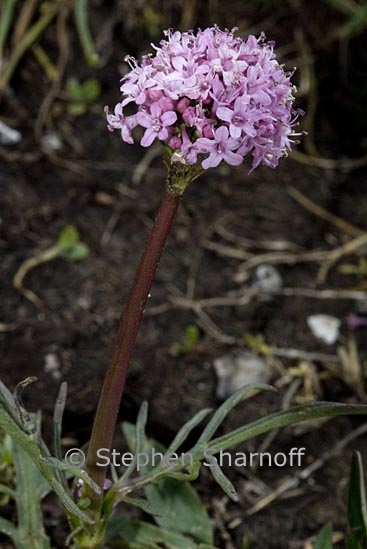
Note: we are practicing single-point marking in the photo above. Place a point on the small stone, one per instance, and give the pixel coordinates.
(9, 136)
(267, 278)
(236, 369)
(50, 142)
(324, 327)
(52, 366)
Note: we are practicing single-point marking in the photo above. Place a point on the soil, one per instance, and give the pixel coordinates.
(96, 184)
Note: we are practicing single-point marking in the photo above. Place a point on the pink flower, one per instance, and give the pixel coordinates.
(219, 148)
(123, 123)
(157, 121)
(240, 117)
(210, 97)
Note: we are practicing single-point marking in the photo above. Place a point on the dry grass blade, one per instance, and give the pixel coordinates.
(64, 48)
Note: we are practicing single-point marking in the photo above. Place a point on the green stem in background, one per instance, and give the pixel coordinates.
(104, 423)
(30, 37)
(81, 21)
(6, 17)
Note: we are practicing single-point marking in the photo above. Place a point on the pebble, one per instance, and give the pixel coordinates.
(236, 369)
(324, 327)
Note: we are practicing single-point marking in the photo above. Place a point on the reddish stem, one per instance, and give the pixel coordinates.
(114, 383)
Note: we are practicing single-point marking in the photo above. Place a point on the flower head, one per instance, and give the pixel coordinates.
(210, 97)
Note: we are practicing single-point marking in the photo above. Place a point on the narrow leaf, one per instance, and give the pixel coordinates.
(357, 507)
(223, 481)
(141, 503)
(8, 404)
(283, 419)
(135, 440)
(186, 430)
(8, 528)
(61, 465)
(69, 505)
(227, 406)
(31, 487)
(57, 418)
(325, 538)
(140, 427)
(85, 37)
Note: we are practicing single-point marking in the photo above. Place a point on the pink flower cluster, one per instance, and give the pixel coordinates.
(210, 97)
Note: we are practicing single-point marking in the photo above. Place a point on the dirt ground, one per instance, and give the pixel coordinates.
(305, 219)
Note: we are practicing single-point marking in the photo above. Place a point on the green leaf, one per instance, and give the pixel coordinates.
(174, 503)
(114, 527)
(31, 488)
(245, 543)
(223, 481)
(68, 237)
(148, 536)
(227, 406)
(75, 90)
(81, 22)
(91, 90)
(76, 253)
(69, 245)
(178, 508)
(57, 419)
(141, 504)
(77, 108)
(281, 419)
(62, 465)
(35, 448)
(357, 506)
(186, 430)
(325, 538)
(192, 336)
(8, 528)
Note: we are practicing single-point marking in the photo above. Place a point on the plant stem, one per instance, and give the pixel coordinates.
(113, 386)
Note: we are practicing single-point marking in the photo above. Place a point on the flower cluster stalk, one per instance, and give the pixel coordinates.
(114, 382)
(208, 97)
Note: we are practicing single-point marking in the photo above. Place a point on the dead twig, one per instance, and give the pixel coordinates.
(25, 267)
(243, 297)
(8, 326)
(144, 164)
(298, 354)
(294, 483)
(228, 251)
(338, 253)
(352, 371)
(271, 245)
(220, 512)
(280, 258)
(317, 210)
(342, 164)
(195, 264)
